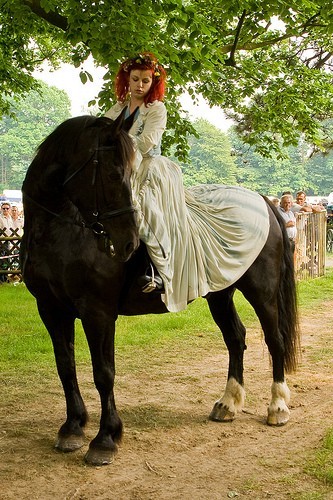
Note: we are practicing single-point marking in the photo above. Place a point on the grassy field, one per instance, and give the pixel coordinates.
(27, 355)
(25, 341)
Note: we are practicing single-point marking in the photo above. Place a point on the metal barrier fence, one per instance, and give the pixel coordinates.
(310, 247)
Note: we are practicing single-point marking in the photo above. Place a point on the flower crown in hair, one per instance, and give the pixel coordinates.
(144, 60)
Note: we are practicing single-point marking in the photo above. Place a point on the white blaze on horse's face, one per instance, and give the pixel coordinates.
(140, 82)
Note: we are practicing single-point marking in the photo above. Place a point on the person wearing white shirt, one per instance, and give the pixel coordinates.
(6, 221)
(17, 220)
(288, 215)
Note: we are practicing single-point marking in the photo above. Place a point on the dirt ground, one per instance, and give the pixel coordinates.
(170, 449)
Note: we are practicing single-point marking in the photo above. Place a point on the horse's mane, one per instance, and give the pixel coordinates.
(66, 136)
(63, 138)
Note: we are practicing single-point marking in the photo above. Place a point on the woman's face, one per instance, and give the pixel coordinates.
(140, 82)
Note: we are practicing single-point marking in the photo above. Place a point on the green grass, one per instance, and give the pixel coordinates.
(321, 464)
(313, 291)
(24, 339)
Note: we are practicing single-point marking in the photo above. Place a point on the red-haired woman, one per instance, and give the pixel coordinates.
(140, 84)
(196, 238)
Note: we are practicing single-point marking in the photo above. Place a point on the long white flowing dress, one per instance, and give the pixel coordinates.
(201, 239)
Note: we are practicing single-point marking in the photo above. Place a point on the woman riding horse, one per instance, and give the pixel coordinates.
(196, 238)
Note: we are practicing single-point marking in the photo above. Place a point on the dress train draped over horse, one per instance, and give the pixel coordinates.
(209, 234)
(200, 239)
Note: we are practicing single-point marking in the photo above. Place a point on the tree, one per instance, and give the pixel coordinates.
(320, 170)
(270, 176)
(274, 175)
(35, 117)
(210, 159)
(266, 63)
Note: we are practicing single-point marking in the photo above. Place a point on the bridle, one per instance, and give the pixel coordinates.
(97, 225)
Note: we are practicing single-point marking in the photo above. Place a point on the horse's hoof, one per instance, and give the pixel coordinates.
(278, 418)
(221, 413)
(99, 457)
(69, 443)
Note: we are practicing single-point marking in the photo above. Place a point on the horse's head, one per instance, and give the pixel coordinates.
(81, 175)
(98, 183)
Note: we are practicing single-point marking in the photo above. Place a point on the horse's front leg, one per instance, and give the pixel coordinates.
(100, 335)
(60, 325)
(224, 313)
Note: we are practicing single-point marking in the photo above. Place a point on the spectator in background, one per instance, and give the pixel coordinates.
(301, 204)
(308, 231)
(288, 216)
(318, 207)
(6, 221)
(275, 200)
(17, 220)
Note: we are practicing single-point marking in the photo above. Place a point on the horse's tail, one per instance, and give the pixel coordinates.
(287, 300)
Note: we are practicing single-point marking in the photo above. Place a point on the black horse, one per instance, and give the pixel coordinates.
(81, 258)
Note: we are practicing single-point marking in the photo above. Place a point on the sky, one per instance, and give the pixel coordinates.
(67, 78)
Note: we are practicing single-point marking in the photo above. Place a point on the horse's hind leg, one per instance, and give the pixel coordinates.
(265, 304)
(278, 411)
(225, 315)
(60, 325)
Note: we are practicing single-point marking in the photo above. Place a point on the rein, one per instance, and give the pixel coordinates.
(55, 214)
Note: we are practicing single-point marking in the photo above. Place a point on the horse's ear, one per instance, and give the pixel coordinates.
(130, 120)
(121, 123)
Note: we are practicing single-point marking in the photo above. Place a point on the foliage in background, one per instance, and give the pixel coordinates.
(35, 117)
(275, 175)
(266, 63)
(218, 157)
(210, 159)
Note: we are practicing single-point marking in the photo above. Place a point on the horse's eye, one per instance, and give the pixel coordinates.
(115, 175)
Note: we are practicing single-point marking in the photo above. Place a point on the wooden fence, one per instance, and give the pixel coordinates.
(310, 248)
(9, 255)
